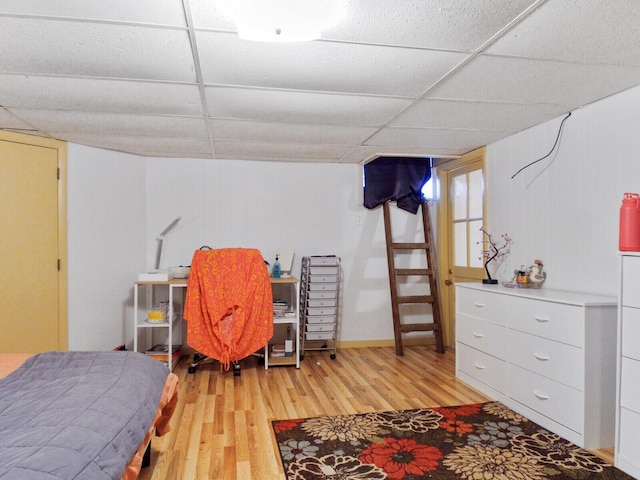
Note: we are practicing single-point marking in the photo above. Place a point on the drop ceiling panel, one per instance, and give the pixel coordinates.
(151, 146)
(280, 151)
(289, 132)
(461, 140)
(458, 25)
(574, 33)
(470, 115)
(505, 79)
(302, 107)
(364, 154)
(114, 123)
(162, 12)
(321, 66)
(98, 95)
(9, 121)
(94, 49)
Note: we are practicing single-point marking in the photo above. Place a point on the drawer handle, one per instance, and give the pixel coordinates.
(478, 335)
(478, 366)
(541, 319)
(542, 357)
(478, 304)
(541, 396)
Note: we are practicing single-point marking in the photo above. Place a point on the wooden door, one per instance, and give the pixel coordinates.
(461, 213)
(33, 291)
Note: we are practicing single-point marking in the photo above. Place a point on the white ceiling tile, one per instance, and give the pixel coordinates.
(519, 80)
(213, 14)
(150, 146)
(99, 95)
(581, 31)
(451, 114)
(289, 132)
(8, 121)
(280, 150)
(459, 25)
(321, 66)
(302, 107)
(113, 123)
(433, 138)
(94, 49)
(163, 12)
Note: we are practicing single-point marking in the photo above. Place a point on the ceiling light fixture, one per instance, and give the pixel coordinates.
(285, 20)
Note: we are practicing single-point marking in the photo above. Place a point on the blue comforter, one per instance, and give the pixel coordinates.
(77, 415)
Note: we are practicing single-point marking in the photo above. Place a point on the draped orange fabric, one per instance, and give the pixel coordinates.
(229, 304)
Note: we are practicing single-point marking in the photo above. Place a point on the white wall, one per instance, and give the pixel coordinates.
(565, 209)
(106, 225)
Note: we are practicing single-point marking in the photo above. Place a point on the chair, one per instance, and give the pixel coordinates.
(228, 306)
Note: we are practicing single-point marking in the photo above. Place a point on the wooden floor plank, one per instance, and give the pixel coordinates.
(222, 426)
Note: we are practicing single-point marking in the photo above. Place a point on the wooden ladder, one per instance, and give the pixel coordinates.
(430, 272)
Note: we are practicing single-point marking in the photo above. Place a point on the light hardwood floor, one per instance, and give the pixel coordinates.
(222, 427)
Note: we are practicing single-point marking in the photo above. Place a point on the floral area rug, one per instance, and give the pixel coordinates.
(485, 441)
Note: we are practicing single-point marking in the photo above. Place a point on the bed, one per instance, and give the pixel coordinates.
(81, 415)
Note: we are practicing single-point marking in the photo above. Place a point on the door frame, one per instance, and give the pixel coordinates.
(61, 148)
(444, 235)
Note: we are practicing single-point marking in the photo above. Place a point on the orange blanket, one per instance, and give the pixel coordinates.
(229, 304)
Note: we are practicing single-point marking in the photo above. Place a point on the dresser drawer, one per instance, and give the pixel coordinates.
(329, 287)
(629, 446)
(555, 321)
(484, 368)
(323, 279)
(319, 335)
(322, 319)
(320, 327)
(554, 400)
(631, 281)
(321, 302)
(557, 361)
(321, 311)
(631, 332)
(482, 335)
(485, 305)
(630, 385)
(318, 260)
(323, 270)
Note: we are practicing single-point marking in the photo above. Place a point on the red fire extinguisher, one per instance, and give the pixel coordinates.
(629, 240)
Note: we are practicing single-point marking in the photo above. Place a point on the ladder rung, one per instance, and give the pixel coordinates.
(416, 299)
(409, 246)
(414, 271)
(419, 327)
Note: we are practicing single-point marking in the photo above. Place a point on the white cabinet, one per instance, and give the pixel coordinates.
(166, 330)
(287, 290)
(547, 354)
(627, 450)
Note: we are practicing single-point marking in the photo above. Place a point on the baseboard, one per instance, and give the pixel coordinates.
(407, 342)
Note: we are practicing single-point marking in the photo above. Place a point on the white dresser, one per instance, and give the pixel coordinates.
(549, 355)
(627, 451)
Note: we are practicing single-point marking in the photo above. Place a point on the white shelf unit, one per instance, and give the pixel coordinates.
(320, 291)
(174, 318)
(627, 449)
(287, 289)
(547, 354)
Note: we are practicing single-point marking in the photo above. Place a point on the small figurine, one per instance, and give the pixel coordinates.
(536, 275)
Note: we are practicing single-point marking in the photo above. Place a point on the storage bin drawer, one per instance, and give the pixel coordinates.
(630, 386)
(485, 305)
(557, 361)
(323, 270)
(330, 287)
(319, 260)
(481, 366)
(321, 303)
(321, 311)
(322, 319)
(482, 335)
(631, 332)
(555, 321)
(319, 335)
(554, 400)
(320, 327)
(322, 294)
(631, 281)
(323, 279)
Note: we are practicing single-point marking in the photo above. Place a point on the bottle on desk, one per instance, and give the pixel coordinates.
(275, 273)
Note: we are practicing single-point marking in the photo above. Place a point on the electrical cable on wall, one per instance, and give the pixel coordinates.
(550, 152)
